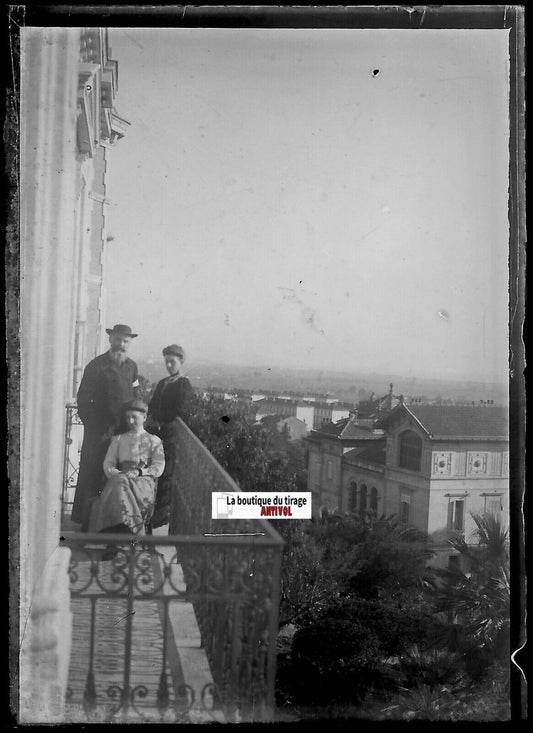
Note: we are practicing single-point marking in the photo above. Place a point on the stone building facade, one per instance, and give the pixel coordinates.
(329, 465)
(430, 465)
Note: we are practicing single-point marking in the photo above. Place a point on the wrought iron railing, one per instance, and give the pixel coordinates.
(118, 675)
(229, 570)
(239, 639)
(71, 459)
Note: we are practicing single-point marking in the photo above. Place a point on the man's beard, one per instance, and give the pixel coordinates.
(119, 356)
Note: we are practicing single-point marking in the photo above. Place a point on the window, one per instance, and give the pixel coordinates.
(374, 500)
(410, 447)
(405, 507)
(353, 497)
(456, 515)
(363, 496)
(493, 504)
(330, 469)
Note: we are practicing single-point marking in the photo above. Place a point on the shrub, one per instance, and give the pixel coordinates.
(333, 662)
(433, 668)
(396, 628)
(346, 650)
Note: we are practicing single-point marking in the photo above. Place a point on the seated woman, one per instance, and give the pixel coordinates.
(133, 463)
(171, 399)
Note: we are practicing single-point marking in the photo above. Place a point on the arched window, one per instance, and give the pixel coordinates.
(374, 500)
(353, 497)
(405, 509)
(363, 495)
(410, 445)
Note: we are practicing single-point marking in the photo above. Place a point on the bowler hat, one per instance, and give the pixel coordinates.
(174, 350)
(121, 329)
(137, 405)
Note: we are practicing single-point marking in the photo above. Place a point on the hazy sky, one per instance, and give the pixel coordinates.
(276, 203)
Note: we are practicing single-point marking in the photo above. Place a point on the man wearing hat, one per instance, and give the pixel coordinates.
(109, 381)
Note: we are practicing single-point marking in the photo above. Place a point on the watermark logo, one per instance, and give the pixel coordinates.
(261, 504)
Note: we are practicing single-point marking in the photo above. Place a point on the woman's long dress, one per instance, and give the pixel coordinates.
(128, 501)
(171, 399)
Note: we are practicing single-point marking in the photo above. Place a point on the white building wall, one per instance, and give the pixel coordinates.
(103, 338)
(83, 254)
(477, 497)
(49, 59)
(306, 414)
(338, 413)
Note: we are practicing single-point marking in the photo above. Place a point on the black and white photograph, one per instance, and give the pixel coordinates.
(267, 252)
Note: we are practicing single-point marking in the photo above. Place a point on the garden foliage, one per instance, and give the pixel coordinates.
(366, 613)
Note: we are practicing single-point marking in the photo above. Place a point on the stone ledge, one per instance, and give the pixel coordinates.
(186, 639)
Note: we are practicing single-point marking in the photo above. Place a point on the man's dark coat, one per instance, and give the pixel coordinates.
(104, 389)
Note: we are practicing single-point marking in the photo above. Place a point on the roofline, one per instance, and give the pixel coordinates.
(317, 435)
(357, 454)
(448, 438)
(363, 437)
(485, 438)
(401, 406)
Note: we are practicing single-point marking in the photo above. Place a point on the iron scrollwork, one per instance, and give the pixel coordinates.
(233, 589)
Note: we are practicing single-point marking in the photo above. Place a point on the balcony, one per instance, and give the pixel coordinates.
(180, 627)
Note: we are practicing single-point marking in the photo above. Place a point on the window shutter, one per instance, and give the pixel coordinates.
(459, 514)
(450, 515)
(495, 506)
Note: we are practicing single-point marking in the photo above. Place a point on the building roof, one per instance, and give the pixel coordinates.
(347, 429)
(331, 406)
(274, 401)
(456, 422)
(292, 420)
(370, 454)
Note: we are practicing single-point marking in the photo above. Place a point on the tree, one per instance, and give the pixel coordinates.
(376, 607)
(244, 449)
(478, 597)
(377, 557)
(145, 388)
(472, 663)
(249, 453)
(307, 585)
(297, 455)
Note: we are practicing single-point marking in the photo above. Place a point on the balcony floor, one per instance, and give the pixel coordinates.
(186, 662)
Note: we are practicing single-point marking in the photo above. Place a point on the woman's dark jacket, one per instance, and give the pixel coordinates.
(171, 399)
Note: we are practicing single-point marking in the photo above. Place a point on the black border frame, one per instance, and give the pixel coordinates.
(288, 16)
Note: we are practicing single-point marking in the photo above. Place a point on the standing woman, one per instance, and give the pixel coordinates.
(171, 399)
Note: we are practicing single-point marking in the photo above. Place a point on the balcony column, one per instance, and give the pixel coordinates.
(49, 63)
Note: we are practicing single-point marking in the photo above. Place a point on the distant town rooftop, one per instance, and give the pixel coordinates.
(325, 405)
(273, 401)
